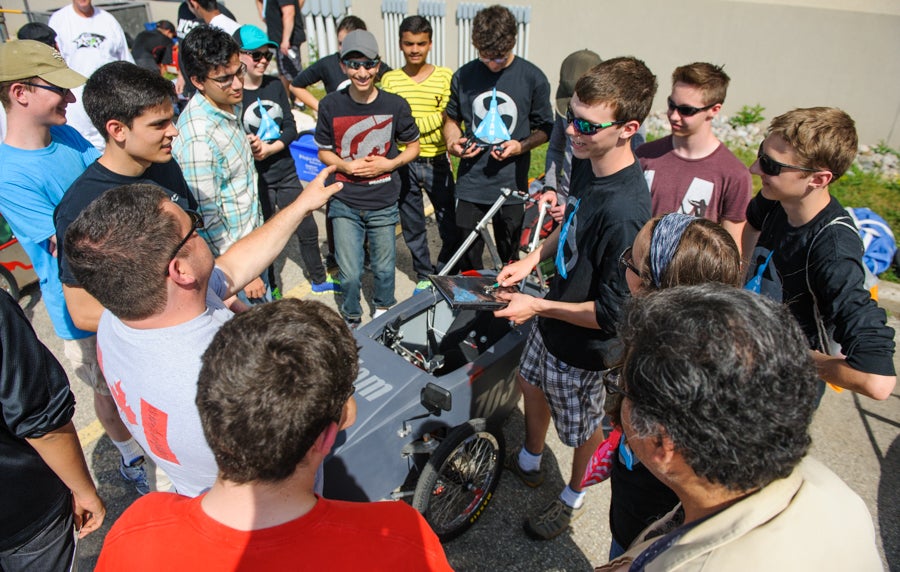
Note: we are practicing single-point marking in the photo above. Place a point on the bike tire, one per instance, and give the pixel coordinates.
(458, 481)
(8, 283)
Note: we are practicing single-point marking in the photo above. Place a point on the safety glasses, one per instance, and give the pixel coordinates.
(772, 168)
(498, 61)
(586, 127)
(368, 64)
(686, 110)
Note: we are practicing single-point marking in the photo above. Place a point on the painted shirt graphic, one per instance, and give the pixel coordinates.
(505, 110)
(363, 136)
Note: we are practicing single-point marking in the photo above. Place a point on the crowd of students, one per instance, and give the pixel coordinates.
(238, 398)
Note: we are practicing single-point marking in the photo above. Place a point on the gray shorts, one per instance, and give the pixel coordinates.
(575, 395)
(82, 355)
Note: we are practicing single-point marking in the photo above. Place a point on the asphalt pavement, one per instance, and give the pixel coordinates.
(855, 436)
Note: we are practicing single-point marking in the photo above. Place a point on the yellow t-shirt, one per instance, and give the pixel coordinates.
(427, 101)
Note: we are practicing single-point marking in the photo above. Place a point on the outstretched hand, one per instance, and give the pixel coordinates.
(316, 193)
(521, 307)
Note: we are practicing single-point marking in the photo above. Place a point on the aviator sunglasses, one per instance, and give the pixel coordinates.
(586, 127)
(368, 64)
(772, 168)
(686, 110)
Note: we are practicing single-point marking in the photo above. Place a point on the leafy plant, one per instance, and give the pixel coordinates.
(884, 149)
(748, 115)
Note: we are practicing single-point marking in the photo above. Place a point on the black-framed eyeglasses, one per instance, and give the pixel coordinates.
(586, 127)
(612, 382)
(258, 56)
(60, 91)
(498, 61)
(687, 110)
(196, 224)
(627, 261)
(368, 64)
(225, 81)
(773, 168)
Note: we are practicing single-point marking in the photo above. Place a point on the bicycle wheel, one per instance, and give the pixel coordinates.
(459, 480)
(8, 283)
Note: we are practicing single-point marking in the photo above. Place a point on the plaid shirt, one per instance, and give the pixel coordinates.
(215, 156)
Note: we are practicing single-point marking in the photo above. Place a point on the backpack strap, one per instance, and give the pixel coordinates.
(821, 330)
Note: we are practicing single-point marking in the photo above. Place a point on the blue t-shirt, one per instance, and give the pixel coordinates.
(32, 185)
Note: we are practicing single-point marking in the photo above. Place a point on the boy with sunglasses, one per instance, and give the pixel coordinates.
(691, 171)
(358, 131)
(278, 182)
(813, 250)
(575, 336)
(520, 93)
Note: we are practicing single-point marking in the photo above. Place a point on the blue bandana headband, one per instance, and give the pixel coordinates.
(664, 242)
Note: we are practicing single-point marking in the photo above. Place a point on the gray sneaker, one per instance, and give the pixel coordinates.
(530, 478)
(135, 474)
(552, 521)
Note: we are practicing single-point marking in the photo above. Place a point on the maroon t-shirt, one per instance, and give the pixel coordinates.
(716, 187)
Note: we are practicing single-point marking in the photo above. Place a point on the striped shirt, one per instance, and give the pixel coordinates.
(217, 162)
(427, 101)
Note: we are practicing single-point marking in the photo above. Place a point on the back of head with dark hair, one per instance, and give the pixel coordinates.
(272, 380)
(119, 248)
(123, 91)
(494, 31)
(726, 375)
(710, 79)
(208, 5)
(167, 26)
(206, 48)
(350, 23)
(415, 25)
(625, 84)
(39, 32)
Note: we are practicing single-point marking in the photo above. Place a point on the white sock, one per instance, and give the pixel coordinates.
(130, 450)
(528, 461)
(571, 498)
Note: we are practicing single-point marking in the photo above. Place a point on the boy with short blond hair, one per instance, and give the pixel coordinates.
(808, 252)
(691, 171)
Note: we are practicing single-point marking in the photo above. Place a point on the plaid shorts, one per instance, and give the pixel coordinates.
(575, 395)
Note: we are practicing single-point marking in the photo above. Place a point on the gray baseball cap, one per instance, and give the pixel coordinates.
(361, 42)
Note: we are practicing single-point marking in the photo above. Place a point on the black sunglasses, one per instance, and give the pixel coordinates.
(586, 127)
(626, 261)
(368, 64)
(61, 91)
(612, 382)
(772, 168)
(259, 56)
(196, 224)
(686, 110)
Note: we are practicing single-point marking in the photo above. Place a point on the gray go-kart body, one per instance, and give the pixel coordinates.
(473, 358)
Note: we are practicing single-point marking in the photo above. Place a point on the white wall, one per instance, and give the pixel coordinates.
(780, 54)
